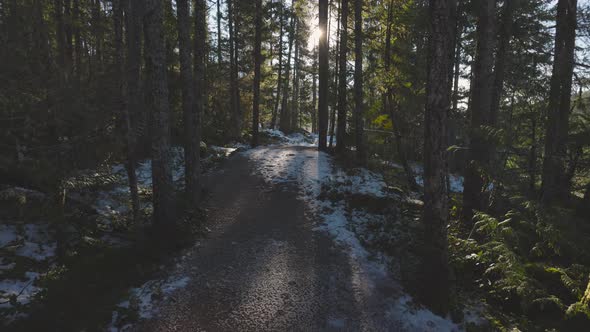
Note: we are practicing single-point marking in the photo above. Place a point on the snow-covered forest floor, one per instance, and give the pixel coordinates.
(370, 220)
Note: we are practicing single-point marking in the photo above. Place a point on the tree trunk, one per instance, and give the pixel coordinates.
(479, 153)
(69, 47)
(77, 40)
(219, 15)
(123, 101)
(361, 154)
(342, 81)
(323, 76)
(97, 31)
(60, 36)
(554, 185)
(133, 30)
(280, 69)
(236, 126)
(257, 62)
(285, 117)
(200, 90)
(296, 73)
(436, 283)
(336, 76)
(314, 87)
(533, 156)
(191, 175)
(157, 104)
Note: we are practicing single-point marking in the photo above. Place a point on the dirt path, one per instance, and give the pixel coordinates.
(265, 268)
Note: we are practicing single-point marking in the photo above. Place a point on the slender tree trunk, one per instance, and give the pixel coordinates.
(457, 63)
(295, 100)
(533, 155)
(361, 153)
(200, 86)
(157, 104)
(336, 77)
(554, 185)
(188, 101)
(219, 49)
(314, 87)
(60, 36)
(69, 47)
(480, 151)
(285, 117)
(133, 30)
(280, 70)
(342, 81)
(97, 31)
(435, 272)
(77, 39)
(233, 79)
(123, 101)
(257, 62)
(323, 76)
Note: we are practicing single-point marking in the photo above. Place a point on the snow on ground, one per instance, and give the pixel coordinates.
(298, 139)
(32, 241)
(313, 172)
(21, 290)
(143, 301)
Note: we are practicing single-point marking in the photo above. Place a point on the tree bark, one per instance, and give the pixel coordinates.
(77, 39)
(285, 116)
(554, 185)
(60, 35)
(200, 88)
(191, 175)
(361, 154)
(295, 101)
(280, 69)
(219, 15)
(336, 77)
(124, 102)
(133, 95)
(314, 92)
(435, 271)
(236, 126)
(323, 76)
(480, 151)
(157, 104)
(342, 81)
(257, 62)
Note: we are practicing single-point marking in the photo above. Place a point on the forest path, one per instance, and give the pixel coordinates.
(264, 267)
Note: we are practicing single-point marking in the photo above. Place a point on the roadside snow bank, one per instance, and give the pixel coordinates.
(295, 139)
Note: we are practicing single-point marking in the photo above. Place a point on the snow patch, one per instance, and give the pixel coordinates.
(21, 290)
(145, 299)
